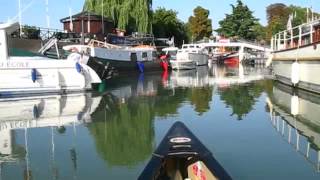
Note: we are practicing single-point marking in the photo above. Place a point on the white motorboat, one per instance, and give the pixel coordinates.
(193, 52)
(38, 74)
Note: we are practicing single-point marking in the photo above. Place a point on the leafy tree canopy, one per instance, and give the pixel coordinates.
(130, 15)
(200, 25)
(240, 23)
(278, 15)
(166, 24)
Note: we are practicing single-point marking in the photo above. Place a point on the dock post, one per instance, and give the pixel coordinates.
(300, 34)
(241, 53)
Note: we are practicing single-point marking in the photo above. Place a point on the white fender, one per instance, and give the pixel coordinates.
(295, 73)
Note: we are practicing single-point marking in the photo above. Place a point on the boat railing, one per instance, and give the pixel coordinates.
(96, 43)
(301, 35)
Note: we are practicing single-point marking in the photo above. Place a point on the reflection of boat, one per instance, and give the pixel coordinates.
(215, 75)
(181, 155)
(50, 110)
(296, 118)
(190, 78)
(36, 74)
(40, 112)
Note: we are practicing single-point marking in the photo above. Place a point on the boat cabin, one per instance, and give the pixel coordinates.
(171, 52)
(302, 35)
(192, 48)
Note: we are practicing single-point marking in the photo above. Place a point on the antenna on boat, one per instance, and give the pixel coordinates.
(20, 19)
(47, 14)
(70, 14)
(102, 18)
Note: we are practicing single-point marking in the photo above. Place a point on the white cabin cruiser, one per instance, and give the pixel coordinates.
(37, 74)
(190, 56)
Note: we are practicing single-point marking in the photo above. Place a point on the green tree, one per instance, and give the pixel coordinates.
(200, 25)
(166, 24)
(277, 16)
(130, 15)
(240, 23)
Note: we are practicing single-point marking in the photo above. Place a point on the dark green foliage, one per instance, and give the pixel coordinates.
(200, 25)
(240, 23)
(124, 131)
(278, 15)
(130, 15)
(200, 98)
(28, 32)
(166, 24)
(241, 99)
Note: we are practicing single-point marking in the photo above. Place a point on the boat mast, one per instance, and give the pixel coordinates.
(102, 19)
(70, 15)
(20, 19)
(47, 14)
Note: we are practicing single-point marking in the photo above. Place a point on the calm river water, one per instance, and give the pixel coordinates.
(256, 128)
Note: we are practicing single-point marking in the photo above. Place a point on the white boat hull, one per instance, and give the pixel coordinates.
(51, 76)
(200, 59)
(307, 71)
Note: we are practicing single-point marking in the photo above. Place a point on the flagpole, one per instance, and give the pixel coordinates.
(70, 14)
(307, 14)
(47, 14)
(20, 19)
(102, 18)
(312, 19)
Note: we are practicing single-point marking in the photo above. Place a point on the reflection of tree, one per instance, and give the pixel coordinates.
(241, 98)
(167, 102)
(200, 98)
(123, 131)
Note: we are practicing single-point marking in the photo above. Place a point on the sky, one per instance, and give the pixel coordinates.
(35, 10)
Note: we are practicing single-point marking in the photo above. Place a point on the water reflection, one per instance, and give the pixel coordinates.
(20, 115)
(123, 130)
(81, 136)
(295, 116)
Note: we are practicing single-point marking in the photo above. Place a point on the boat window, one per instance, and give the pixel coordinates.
(198, 46)
(133, 57)
(172, 53)
(144, 54)
(191, 46)
(154, 54)
(184, 47)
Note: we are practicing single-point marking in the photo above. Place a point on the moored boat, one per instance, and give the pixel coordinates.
(38, 74)
(193, 52)
(296, 56)
(231, 58)
(180, 155)
(124, 58)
